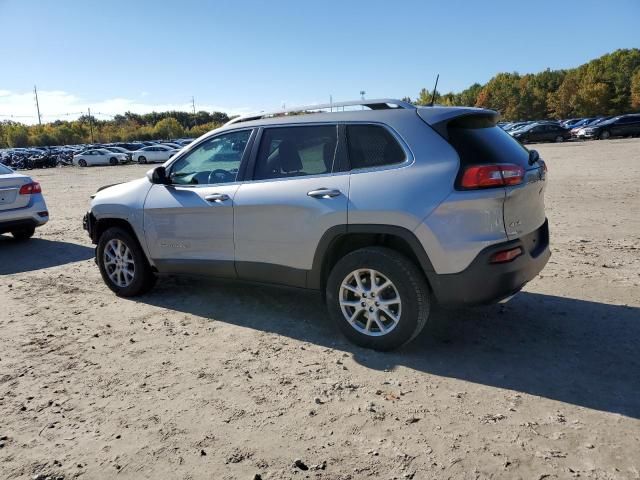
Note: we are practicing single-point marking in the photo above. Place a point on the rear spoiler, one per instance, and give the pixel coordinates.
(463, 117)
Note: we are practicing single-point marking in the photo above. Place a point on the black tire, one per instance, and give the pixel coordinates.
(604, 135)
(23, 233)
(113, 161)
(82, 162)
(143, 279)
(559, 139)
(409, 282)
(142, 159)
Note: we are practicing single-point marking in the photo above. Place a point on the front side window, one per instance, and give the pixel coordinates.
(296, 151)
(372, 146)
(216, 160)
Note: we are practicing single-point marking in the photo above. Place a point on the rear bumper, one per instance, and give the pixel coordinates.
(33, 215)
(483, 282)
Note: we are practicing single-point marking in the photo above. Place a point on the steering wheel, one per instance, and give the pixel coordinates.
(220, 176)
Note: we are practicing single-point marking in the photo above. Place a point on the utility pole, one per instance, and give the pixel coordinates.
(90, 124)
(331, 103)
(193, 105)
(35, 92)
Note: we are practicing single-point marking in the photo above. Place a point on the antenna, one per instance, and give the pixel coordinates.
(433, 95)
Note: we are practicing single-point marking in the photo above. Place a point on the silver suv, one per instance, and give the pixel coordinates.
(384, 208)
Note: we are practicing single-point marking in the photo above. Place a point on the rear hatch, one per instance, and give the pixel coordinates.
(10, 184)
(479, 141)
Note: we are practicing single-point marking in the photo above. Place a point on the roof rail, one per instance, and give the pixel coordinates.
(378, 104)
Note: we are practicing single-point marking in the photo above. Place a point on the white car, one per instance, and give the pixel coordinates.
(154, 154)
(22, 206)
(99, 156)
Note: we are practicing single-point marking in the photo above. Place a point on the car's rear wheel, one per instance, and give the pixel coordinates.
(123, 265)
(113, 161)
(378, 298)
(604, 135)
(23, 233)
(559, 139)
(142, 159)
(82, 163)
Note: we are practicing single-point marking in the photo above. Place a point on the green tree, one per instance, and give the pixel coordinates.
(635, 90)
(17, 135)
(168, 128)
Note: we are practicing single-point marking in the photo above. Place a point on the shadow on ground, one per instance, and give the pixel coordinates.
(37, 253)
(575, 351)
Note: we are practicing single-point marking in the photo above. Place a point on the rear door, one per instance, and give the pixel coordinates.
(290, 200)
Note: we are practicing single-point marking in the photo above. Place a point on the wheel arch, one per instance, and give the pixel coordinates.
(343, 239)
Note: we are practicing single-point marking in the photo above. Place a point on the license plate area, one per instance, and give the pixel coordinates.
(8, 195)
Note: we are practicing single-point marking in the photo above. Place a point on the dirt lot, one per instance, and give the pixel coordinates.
(203, 379)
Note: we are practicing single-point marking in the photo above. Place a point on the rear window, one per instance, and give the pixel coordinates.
(4, 170)
(478, 140)
(372, 146)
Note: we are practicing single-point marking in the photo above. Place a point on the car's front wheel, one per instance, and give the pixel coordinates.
(559, 139)
(378, 298)
(82, 163)
(142, 159)
(123, 265)
(604, 135)
(113, 161)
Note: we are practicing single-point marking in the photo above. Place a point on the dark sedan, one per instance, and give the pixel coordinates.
(542, 132)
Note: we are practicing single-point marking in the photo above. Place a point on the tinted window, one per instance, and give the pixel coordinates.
(296, 151)
(4, 170)
(217, 160)
(372, 146)
(477, 140)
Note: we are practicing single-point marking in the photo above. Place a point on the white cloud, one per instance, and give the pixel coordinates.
(61, 105)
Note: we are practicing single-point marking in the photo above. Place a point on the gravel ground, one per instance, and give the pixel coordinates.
(205, 379)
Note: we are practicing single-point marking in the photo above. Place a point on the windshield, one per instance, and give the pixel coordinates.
(5, 170)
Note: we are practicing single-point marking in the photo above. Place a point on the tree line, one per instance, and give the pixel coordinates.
(608, 85)
(122, 128)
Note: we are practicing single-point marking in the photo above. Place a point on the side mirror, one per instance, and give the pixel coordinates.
(534, 156)
(158, 176)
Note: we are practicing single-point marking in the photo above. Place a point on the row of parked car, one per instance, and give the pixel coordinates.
(88, 155)
(575, 128)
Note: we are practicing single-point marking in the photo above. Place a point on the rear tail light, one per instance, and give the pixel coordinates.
(506, 255)
(486, 176)
(29, 188)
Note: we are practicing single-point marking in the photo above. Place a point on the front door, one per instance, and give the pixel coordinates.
(292, 199)
(189, 223)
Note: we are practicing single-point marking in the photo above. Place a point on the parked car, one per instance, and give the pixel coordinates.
(22, 205)
(116, 149)
(153, 154)
(99, 156)
(542, 132)
(386, 211)
(621, 126)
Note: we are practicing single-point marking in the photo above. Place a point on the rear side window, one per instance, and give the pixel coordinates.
(4, 170)
(296, 151)
(372, 146)
(478, 140)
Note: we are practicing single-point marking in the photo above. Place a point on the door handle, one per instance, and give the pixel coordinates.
(217, 197)
(324, 193)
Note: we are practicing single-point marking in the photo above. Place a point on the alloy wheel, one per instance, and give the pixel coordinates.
(119, 263)
(370, 302)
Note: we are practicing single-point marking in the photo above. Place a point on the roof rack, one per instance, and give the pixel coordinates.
(378, 104)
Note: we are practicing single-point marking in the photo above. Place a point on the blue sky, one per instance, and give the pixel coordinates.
(250, 55)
